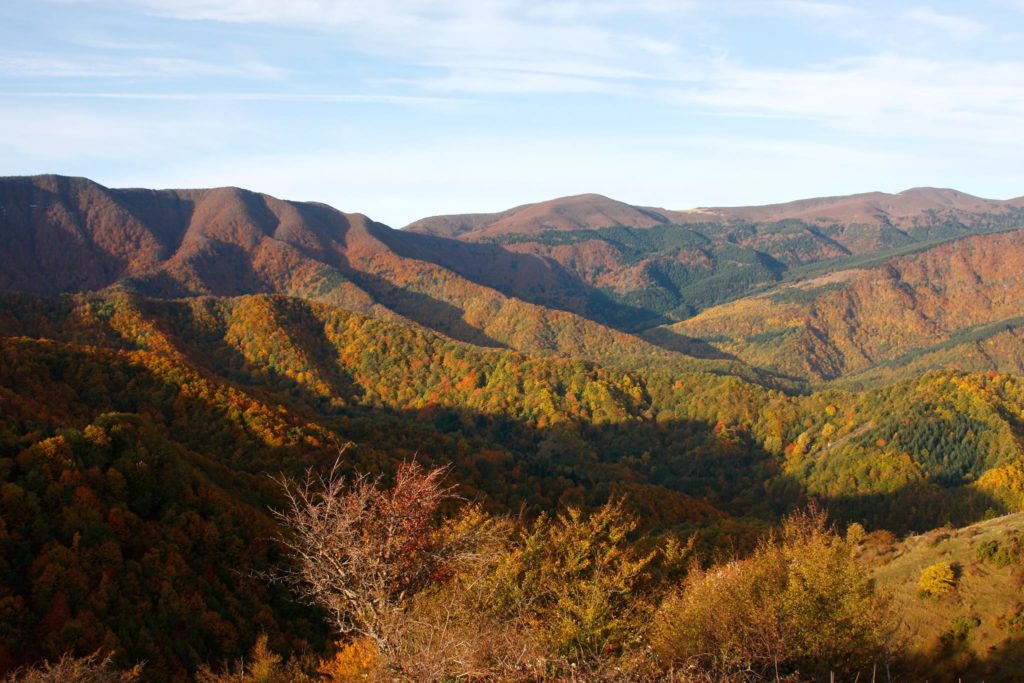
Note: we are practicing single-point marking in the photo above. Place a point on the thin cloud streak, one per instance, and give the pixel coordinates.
(469, 34)
(956, 27)
(102, 136)
(815, 10)
(237, 97)
(40, 65)
(518, 47)
(887, 96)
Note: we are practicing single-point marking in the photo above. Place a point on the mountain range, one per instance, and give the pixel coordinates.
(907, 209)
(162, 351)
(808, 291)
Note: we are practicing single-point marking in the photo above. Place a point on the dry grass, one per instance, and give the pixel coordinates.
(983, 590)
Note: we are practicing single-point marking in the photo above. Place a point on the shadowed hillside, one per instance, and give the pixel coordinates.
(70, 234)
(585, 285)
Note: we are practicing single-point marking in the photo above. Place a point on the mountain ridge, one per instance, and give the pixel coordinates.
(605, 294)
(65, 235)
(571, 212)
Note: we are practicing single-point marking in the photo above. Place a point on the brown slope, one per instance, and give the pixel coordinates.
(227, 241)
(566, 213)
(59, 234)
(442, 299)
(71, 234)
(591, 211)
(910, 308)
(676, 271)
(870, 208)
(920, 300)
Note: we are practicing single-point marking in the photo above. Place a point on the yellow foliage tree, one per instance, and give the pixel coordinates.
(261, 666)
(356, 661)
(937, 580)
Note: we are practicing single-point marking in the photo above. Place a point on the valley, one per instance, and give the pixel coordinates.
(713, 370)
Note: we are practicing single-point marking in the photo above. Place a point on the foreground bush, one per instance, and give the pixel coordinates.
(261, 666)
(68, 669)
(415, 597)
(800, 604)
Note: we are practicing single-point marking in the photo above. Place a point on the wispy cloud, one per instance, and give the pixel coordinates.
(233, 97)
(491, 81)
(955, 27)
(645, 49)
(743, 98)
(814, 9)
(42, 65)
(568, 40)
(886, 96)
(104, 42)
(58, 136)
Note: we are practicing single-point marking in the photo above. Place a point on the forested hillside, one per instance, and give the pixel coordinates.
(957, 303)
(164, 355)
(128, 420)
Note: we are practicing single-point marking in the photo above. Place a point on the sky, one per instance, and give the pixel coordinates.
(401, 109)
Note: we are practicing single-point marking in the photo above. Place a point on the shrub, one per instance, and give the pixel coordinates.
(261, 666)
(1013, 620)
(855, 534)
(363, 551)
(1001, 554)
(801, 603)
(356, 661)
(963, 625)
(576, 578)
(418, 597)
(69, 669)
(986, 550)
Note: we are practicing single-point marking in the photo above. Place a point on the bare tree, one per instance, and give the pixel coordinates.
(362, 551)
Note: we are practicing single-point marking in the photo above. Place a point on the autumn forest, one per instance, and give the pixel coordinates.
(249, 439)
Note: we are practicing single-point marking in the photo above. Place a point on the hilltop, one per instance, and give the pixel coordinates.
(674, 264)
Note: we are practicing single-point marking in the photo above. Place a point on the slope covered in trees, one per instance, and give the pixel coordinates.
(137, 435)
(577, 290)
(69, 234)
(954, 303)
(163, 354)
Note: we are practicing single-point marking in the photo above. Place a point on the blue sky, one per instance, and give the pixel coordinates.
(405, 108)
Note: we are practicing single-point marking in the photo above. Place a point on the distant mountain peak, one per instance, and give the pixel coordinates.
(575, 212)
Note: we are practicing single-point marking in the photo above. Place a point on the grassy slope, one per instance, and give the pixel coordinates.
(984, 591)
